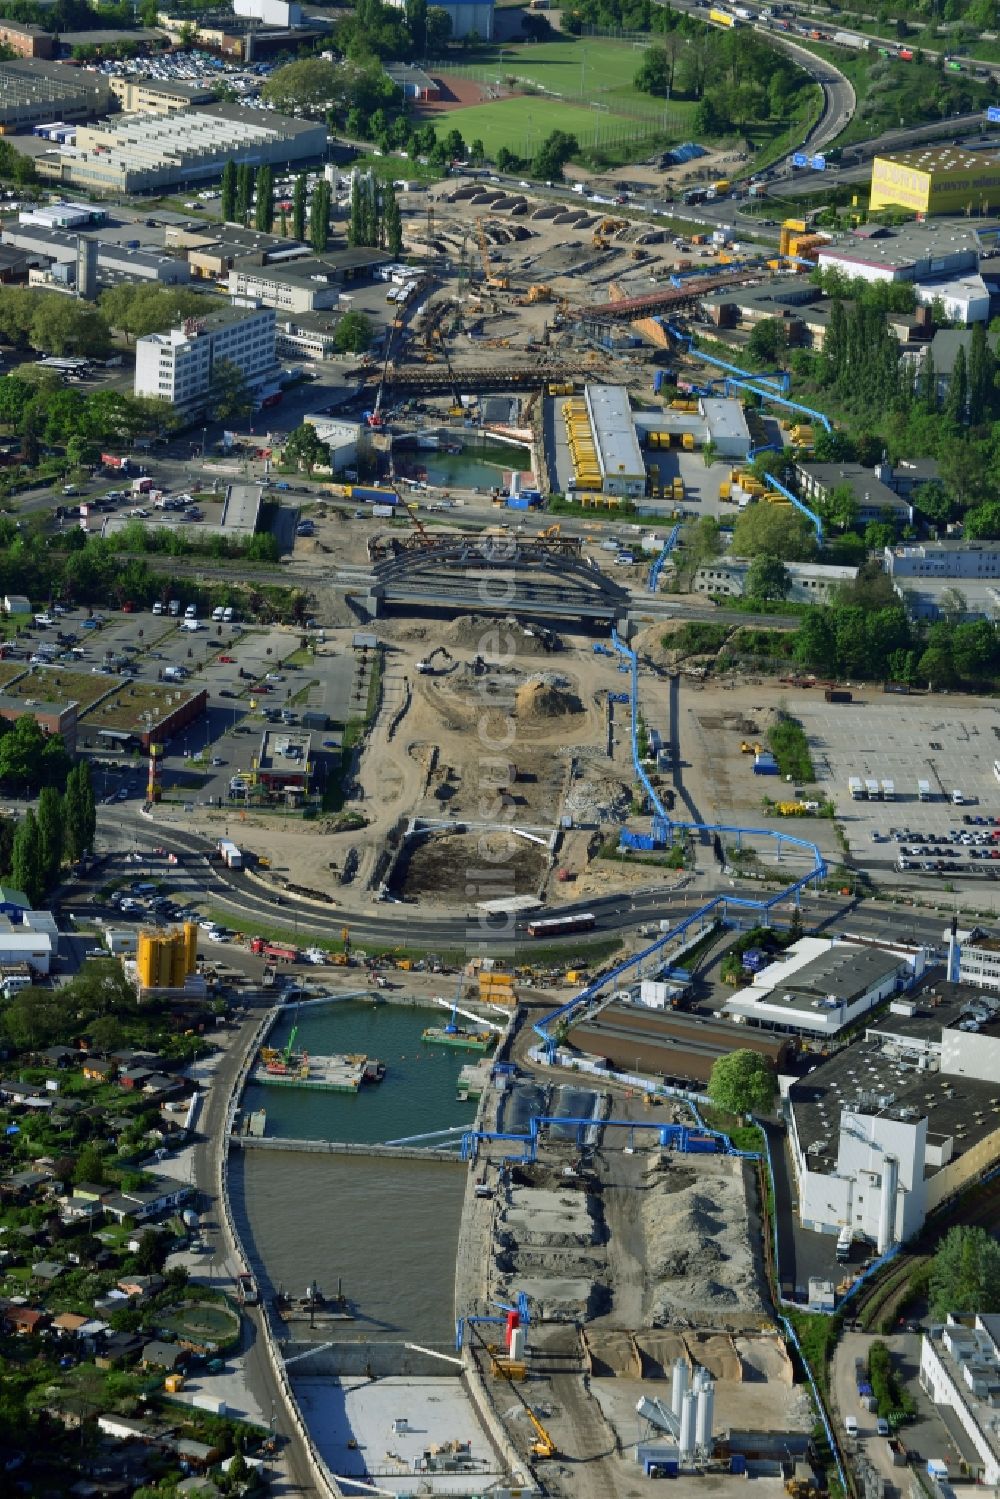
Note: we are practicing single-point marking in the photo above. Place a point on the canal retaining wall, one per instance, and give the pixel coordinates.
(344, 1147)
(371, 1359)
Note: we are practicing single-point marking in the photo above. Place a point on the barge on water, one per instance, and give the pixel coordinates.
(338, 1073)
(460, 1036)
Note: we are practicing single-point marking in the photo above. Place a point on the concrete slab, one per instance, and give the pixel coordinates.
(379, 1431)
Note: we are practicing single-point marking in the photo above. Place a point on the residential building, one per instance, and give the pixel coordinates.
(27, 41)
(811, 582)
(874, 497)
(157, 96)
(885, 1131)
(960, 1370)
(36, 92)
(619, 458)
(819, 986)
(942, 351)
(143, 1203)
(936, 179)
(151, 152)
(303, 285)
(177, 366)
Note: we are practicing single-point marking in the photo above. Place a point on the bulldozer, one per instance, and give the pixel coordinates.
(539, 293)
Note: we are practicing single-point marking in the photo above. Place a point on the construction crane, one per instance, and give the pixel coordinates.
(424, 536)
(501, 283)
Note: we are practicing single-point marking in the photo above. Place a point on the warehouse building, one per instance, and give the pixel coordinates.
(177, 366)
(466, 17)
(619, 459)
(146, 153)
(64, 216)
(679, 1047)
(911, 252)
(56, 247)
(158, 96)
(936, 179)
(887, 1130)
(819, 986)
(309, 284)
(35, 92)
(960, 1370)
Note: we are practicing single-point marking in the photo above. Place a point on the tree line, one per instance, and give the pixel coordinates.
(33, 848)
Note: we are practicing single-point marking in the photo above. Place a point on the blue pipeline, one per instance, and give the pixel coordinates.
(545, 1027)
(657, 567)
(752, 383)
(781, 384)
(810, 515)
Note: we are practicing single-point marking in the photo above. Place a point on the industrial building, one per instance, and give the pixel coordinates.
(147, 152)
(27, 41)
(943, 559)
(672, 1044)
(158, 96)
(887, 1130)
(34, 92)
(269, 12)
(936, 179)
(114, 262)
(64, 216)
(176, 366)
(52, 716)
(304, 284)
(818, 986)
(810, 582)
(960, 1371)
(603, 444)
(466, 16)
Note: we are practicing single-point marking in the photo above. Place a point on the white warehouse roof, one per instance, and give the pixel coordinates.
(614, 432)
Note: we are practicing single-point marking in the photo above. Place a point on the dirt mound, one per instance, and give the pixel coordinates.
(544, 697)
(492, 637)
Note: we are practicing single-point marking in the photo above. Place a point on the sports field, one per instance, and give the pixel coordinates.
(517, 95)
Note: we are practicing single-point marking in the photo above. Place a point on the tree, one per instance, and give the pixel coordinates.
(305, 447)
(310, 86)
(89, 1166)
(742, 1082)
(416, 20)
(552, 155)
(957, 396)
(654, 74)
(768, 578)
(244, 192)
(264, 208)
(770, 530)
(151, 1253)
(228, 395)
(354, 333)
(74, 814)
(392, 224)
(438, 30)
(319, 217)
(965, 1273)
(839, 508)
(229, 191)
(50, 832)
(768, 341)
(299, 207)
(26, 869)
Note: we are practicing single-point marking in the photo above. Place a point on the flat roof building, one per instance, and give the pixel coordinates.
(114, 262)
(810, 582)
(960, 1370)
(303, 284)
(936, 179)
(819, 986)
(158, 96)
(35, 92)
(146, 152)
(943, 559)
(27, 41)
(873, 496)
(177, 366)
(623, 471)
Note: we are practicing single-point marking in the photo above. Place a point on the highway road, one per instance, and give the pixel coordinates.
(393, 924)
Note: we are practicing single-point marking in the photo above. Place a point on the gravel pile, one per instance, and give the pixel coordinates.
(698, 1248)
(598, 799)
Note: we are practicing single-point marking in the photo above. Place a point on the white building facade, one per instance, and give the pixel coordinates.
(178, 366)
(960, 1368)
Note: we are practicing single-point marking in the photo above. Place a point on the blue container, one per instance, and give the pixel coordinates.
(517, 502)
(738, 1463)
(657, 382)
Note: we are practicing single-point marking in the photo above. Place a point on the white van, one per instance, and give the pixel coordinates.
(175, 607)
(191, 612)
(227, 615)
(157, 607)
(217, 613)
(851, 1426)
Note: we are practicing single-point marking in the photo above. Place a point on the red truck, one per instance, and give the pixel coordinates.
(118, 465)
(279, 952)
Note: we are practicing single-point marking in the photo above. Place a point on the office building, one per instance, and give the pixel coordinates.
(960, 1371)
(150, 152)
(936, 179)
(943, 559)
(307, 284)
(35, 92)
(177, 366)
(809, 582)
(27, 41)
(872, 494)
(158, 96)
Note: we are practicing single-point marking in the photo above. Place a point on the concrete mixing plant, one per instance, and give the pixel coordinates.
(678, 1435)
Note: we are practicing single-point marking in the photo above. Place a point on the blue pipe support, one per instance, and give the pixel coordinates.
(751, 383)
(810, 515)
(657, 567)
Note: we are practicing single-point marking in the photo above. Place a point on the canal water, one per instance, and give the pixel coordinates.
(479, 465)
(388, 1229)
(417, 1095)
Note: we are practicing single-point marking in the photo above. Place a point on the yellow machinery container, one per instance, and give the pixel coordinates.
(725, 490)
(173, 1383)
(723, 185)
(165, 959)
(683, 405)
(687, 442)
(574, 976)
(678, 488)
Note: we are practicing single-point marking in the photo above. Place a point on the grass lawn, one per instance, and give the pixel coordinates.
(574, 67)
(522, 124)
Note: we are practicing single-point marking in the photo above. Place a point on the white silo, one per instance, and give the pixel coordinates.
(679, 1387)
(705, 1414)
(687, 1436)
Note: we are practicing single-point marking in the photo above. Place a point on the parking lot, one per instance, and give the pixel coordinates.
(903, 740)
